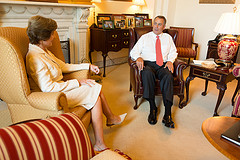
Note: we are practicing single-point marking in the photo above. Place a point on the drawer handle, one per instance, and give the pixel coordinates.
(125, 34)
(114, 45)
(205, 74)
(114, 36)
(125, 42)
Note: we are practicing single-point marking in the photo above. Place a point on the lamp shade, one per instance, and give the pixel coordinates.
(139, 2)
(229, 23)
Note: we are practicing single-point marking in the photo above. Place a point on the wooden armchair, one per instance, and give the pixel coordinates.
(135, 76)
(24, 103)
(184, 43)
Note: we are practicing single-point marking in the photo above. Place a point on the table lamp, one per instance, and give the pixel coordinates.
(228, 24)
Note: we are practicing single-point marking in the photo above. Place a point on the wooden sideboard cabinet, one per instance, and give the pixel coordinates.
(213, 52)
(107, 40)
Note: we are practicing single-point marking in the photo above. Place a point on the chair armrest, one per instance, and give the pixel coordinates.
(53, 101)
(179, 66)
(82, 74)
(137, 72)
(196, 45)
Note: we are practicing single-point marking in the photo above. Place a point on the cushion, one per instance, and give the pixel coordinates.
(186, 52)
(111, 155)
(62, 137)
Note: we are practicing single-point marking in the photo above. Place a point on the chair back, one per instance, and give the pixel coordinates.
(14, 84)
(185, 37)
(136, 33)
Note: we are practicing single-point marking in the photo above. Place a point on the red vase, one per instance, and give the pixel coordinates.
(227, 49)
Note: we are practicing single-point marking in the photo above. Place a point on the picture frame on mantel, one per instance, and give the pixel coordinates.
(217, 1)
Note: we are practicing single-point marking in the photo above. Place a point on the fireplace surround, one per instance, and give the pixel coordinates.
(72, 20)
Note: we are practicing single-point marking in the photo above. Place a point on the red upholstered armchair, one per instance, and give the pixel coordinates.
(184, 43)
(135, 76)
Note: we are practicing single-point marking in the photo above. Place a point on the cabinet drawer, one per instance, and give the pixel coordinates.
(114, 36)
(114, 46)
(125, 34)
(125, 43)
(207, 75)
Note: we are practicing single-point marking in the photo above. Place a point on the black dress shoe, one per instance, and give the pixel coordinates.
(152, 117)
(167, 120)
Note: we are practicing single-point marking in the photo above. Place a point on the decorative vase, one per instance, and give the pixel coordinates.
(227, 49)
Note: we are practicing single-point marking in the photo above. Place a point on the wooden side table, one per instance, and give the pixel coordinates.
(107, 40)
(220, 77)
(213, 128)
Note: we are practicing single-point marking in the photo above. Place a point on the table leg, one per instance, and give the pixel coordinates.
(222, 89)
(189, 78)
(104, 63)
(236, 90)
(205, 91)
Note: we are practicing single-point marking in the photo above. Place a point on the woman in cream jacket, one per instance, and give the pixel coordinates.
(46, 71)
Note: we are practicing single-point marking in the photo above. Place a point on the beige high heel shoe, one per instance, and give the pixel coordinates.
(122, 117)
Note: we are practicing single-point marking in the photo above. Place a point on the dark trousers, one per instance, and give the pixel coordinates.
(150, 73)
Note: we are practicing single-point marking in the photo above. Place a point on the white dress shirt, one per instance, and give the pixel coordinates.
(46, 71)
(146, 47)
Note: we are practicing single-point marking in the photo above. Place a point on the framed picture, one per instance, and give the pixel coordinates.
(130, 23)
(147, 22)
(138, 22)
(121, 24)
(117, 19)
(108, 24)
(100, 20)
(143, 15)
(217, 1)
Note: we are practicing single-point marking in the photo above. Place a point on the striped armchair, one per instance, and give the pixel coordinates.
(58, 138)
(184, 43)
(25, 102)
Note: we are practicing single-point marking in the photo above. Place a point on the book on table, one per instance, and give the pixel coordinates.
(233, 133)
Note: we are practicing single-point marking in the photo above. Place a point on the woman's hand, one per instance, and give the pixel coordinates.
(89, 82)
(94, 68)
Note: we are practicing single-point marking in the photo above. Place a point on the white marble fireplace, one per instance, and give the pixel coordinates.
(71, 19)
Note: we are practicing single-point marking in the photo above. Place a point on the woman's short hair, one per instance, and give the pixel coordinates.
(40, 28)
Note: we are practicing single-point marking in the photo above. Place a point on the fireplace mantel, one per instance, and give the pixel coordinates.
(72, 20)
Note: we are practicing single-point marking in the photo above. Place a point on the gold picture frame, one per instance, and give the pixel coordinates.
(217, 1)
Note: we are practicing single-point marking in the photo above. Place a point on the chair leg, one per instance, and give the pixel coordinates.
(181, 105)
(188, 61)
(136, 100)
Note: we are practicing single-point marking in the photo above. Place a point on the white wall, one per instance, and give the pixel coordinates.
(202, 17)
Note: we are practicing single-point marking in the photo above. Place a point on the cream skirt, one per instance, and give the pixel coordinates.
(85, 96)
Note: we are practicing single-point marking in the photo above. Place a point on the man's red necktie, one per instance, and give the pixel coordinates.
(159, 59)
